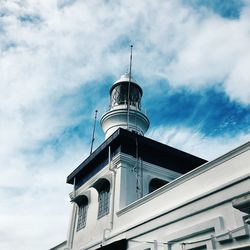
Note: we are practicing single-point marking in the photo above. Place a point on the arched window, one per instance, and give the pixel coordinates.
(82, 203)
(155, 184)
(103, 188)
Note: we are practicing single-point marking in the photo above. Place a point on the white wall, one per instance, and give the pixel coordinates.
(190, 208)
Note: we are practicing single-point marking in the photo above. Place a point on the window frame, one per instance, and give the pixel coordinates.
(103, 203)
(82, 215)
(103, 188)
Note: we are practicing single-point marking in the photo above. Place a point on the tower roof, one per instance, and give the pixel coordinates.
(125, 78)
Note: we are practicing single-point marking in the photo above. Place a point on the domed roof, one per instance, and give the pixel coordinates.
(125, 78)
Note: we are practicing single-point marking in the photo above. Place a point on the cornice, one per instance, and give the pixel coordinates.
(184, 178)
(128, 159)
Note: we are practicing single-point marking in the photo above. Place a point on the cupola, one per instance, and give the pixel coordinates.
(125, 108)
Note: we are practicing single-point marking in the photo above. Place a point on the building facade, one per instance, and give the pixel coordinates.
(138, 194)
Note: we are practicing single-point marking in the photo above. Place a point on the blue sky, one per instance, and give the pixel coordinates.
(228, 9)
(58, 60)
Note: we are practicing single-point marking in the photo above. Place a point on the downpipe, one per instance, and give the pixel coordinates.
(112, 202)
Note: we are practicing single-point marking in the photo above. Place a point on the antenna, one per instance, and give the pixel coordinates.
(130, 68)
(93, 134)
(74, 184)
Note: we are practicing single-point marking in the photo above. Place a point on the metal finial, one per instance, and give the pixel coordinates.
(130, 63)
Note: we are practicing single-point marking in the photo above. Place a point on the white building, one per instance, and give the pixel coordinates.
(138, 194)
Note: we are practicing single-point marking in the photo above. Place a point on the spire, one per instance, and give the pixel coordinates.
(130, 74)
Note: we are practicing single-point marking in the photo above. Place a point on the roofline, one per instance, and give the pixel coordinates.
(58, 245)
(113, 137)
(189, 175)
(104, 145)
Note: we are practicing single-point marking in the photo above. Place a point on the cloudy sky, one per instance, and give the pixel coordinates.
(57, 62)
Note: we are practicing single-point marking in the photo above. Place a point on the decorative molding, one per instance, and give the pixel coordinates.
(241, 232)
(151, 168)
(214, 225)
(242, 203)
(104, 173)
(188, 176)
(132, 236)
(171, 185)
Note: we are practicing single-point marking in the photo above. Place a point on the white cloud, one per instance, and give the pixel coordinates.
(35, 196)
(176, 42)
(215, 51)
(193, 142)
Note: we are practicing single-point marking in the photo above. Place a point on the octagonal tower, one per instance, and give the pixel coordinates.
(125, 108)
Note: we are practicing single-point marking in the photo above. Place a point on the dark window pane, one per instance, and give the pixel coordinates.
(155, 184)
(82, 214)
(119, 95)
(103, 208)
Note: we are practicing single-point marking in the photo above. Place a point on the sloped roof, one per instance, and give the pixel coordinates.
(131, 143)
